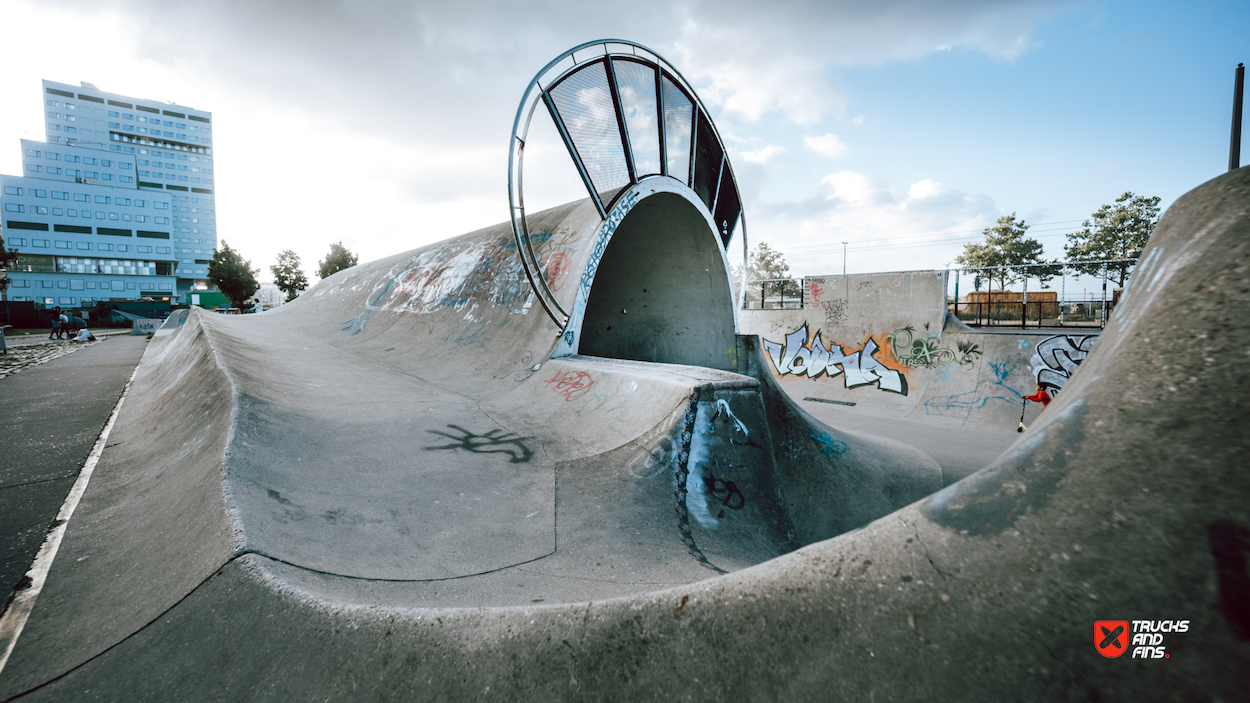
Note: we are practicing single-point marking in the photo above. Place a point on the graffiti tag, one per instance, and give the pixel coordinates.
(925, 353)
(835, 311)
(570, 384)
(496, 441)
(816, 291)
(798, 357)
(726, 491)
(831, 445)
(557, 270)
(1055, 359)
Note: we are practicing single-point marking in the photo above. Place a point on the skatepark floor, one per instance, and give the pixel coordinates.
(960, 452)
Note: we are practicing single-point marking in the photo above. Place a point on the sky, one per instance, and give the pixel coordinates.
(901, 128)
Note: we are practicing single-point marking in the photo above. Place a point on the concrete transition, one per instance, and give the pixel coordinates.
(405, 484)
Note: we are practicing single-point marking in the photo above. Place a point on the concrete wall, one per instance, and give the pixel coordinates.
(889, 350)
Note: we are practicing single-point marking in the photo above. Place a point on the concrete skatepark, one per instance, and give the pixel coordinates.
(412, 482)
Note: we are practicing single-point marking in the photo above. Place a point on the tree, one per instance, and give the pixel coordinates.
(8, 258)
(233, 275)
(338, 259)
(1005, 245)
(767, 263)
(1117, 231)
(288, 275)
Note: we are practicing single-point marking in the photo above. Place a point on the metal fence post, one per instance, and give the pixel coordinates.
(1024, 302)
(1063, 290)
(1103, 325)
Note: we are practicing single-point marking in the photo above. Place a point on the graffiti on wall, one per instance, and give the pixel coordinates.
(963, 404)
(925, 352)
(835, 311)
(571, 384)
(799, 356)
(1055, 359)
(496, 441)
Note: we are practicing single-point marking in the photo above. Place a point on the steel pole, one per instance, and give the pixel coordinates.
(1234, 147)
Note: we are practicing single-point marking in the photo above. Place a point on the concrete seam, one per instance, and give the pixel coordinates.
(14, 619)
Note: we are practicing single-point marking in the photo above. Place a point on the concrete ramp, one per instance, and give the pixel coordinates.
(417, 433)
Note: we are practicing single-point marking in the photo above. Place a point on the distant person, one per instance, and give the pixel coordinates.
(64, 332)
(1041, 396)
(56, 324)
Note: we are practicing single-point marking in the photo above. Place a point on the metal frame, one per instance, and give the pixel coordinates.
(539, 89)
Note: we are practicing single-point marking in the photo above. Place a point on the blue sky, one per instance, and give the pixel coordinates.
(889, 125)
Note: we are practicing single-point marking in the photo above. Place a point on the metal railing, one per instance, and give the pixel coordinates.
(1008, 311)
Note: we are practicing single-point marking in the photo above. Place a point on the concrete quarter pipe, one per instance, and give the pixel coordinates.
(406, 485)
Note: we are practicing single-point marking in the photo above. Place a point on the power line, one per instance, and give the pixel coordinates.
(910, 241)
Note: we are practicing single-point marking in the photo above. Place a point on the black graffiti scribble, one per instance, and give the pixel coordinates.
(718, 488)
(496, 441)
(835, 311)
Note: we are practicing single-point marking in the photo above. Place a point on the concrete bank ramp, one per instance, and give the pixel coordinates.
(410, 435)
(884, 345)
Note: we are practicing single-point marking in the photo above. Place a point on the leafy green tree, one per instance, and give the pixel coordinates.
(767, 263)
(288, 275)
(233, 275)
(1006, 245)
(1117, 231)
(338, 259)
(8, 258)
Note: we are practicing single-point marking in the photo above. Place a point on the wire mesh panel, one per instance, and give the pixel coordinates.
(707, 162)
(585, 107)
(636, 84)
(727, 206)
(678, 119)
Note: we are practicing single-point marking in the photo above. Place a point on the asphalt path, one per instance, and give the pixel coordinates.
(50, 417)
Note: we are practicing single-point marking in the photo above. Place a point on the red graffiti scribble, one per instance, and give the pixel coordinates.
(557, 270)
(817, 291)
(571, 384)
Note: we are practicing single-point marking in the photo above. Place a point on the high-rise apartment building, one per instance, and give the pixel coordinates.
(117, 203)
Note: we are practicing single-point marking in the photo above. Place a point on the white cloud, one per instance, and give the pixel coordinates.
(915, 228)
(858, 120)
(827, 145)
(763, 154)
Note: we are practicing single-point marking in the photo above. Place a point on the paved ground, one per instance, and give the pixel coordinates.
(50, 417)
(27, 351)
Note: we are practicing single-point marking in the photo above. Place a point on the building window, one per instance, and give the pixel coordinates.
(34, 168)
(61, 244)
(14, 207)
(82, 198)
(12, 190)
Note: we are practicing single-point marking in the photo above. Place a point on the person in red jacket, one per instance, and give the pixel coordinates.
(1041, 396)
